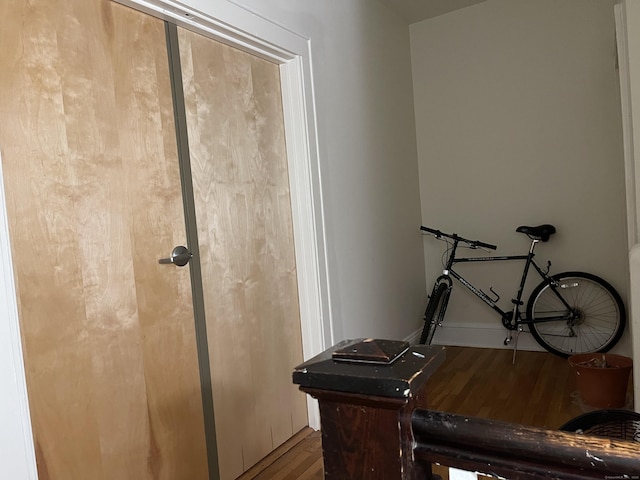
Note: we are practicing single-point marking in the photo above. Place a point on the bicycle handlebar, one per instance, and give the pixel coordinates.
(458, 238)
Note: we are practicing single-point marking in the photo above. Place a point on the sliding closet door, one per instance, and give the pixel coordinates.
(243, 211)
(94, 199)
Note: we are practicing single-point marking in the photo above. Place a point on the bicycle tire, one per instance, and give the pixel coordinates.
(600, 324)
(434, 312)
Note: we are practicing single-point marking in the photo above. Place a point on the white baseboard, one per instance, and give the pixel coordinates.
(414, 338)
(469, 334)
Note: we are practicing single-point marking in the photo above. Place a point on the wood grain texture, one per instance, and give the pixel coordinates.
(359, 441)
(298, 458)
(243, 211)
(539, 390)
(92, 182)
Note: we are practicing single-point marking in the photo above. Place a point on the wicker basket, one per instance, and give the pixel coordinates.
(620, 424)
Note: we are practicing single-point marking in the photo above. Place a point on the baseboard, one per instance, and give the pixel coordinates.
(474, 335)
(414, 338)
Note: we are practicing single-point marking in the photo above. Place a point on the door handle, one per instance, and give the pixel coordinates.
(180, 256)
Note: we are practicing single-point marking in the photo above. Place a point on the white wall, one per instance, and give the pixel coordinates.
(629, 46)
(518, 123)
(628, 25)
(633, 50)
(366, 135)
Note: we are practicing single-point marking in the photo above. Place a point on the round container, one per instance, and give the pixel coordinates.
(602, 387)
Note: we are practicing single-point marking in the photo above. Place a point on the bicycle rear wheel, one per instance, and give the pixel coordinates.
(434, 313)
(594, 322)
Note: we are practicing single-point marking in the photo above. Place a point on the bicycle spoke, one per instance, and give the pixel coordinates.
(593, 323)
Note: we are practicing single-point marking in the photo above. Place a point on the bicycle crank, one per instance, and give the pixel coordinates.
(508, 321)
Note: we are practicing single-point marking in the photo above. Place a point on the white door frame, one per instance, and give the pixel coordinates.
(620, 13)
(229, 23)
(17, 452)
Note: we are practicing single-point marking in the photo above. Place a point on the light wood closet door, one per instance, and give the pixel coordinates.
(243, 211)
(94, 199)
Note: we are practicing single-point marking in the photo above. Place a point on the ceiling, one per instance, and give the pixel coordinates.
(417, 10)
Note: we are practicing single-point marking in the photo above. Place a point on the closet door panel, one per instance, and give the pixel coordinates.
(93, 192)
(243, 211)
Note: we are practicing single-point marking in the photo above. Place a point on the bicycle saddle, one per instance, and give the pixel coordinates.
(541, 232)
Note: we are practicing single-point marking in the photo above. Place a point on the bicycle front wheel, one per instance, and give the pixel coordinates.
(576, 313)
(435, 312)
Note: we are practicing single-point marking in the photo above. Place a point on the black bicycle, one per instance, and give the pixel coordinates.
(567, 313)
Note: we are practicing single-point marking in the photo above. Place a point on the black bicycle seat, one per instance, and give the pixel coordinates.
(541, 232)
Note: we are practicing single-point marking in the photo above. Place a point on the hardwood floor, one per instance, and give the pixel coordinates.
(300, 458)
(539, 390)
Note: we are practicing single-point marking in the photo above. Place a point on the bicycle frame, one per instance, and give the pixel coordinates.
(510, 320)
(567, 313)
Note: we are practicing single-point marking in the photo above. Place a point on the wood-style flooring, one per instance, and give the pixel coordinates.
(300, 458)
(539, 390)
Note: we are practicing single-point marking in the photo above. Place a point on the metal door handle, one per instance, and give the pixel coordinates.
(180, 256)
